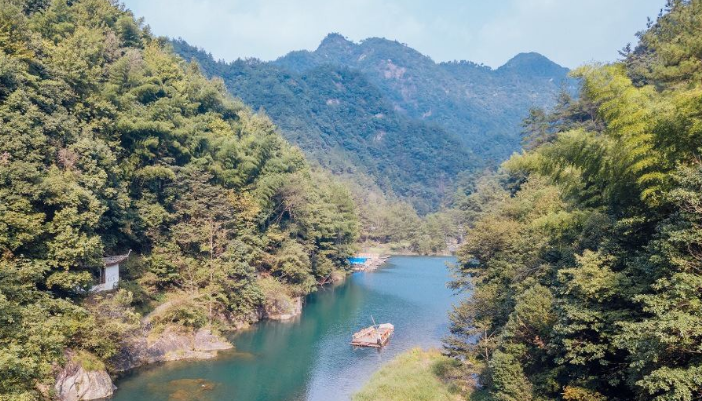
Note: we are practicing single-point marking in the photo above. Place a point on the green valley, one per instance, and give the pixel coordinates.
(388, 116)
(354, 221)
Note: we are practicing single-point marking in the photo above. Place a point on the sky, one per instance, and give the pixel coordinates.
(569, 32)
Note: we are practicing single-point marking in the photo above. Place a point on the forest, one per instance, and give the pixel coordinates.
(584, 252)
(349, 127)
(382, 114)
(110, 142)
(579, 257)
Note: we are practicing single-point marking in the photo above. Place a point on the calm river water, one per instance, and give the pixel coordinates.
(310, 358)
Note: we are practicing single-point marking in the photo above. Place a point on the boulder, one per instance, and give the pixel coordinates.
(172, 344)
(75, 383)
(284, 308)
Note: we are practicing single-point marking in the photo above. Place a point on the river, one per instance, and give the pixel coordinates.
(310, 357)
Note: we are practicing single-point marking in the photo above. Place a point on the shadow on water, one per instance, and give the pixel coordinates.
(310, 357)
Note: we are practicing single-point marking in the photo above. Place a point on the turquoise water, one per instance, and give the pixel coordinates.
(310, 358)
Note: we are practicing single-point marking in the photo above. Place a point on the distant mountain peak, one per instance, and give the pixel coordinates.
(335, 39)
(532, 63)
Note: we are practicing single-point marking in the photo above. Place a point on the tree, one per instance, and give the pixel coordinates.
(111, 142)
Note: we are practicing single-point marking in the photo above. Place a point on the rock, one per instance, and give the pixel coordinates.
(75, 383)
(206, 341)
(284, 309)
(173, 344)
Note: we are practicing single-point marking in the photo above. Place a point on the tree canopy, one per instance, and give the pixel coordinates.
(584, 262)
(111, 142)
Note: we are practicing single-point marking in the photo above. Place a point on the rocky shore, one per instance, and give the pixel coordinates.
(173, 344)
(77, 382)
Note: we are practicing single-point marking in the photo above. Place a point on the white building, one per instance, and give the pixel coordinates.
(109, 275)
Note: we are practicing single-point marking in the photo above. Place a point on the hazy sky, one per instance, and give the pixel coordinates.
(570, 32)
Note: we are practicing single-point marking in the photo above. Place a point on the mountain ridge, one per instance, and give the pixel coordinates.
(336, 40)
(380, 109)
(461, 100)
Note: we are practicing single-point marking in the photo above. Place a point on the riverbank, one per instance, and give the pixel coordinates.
(417, 375)
(154, 341)
(309, 357)
(84, 377)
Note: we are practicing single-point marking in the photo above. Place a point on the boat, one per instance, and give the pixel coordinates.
(375, 336)
(366, 262)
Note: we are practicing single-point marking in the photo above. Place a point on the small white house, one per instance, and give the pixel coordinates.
(109, 275)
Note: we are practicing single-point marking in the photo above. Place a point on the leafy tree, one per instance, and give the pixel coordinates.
(111, 142)
(584, 264)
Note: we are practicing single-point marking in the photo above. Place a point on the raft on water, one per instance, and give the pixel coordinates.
(374, 336)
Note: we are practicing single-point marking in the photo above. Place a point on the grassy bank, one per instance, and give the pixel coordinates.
(416, 375)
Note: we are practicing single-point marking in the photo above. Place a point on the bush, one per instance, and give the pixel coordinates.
(88, 361)
(187, 313)
(276, 296)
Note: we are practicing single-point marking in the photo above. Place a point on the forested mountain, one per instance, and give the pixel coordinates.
(482, 106)
(584, 255)
(381, 109)
(348, 126)
(110, 142)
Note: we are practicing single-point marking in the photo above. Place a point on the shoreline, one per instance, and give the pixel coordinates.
(172, 347)
(326, 323)
(176, 344)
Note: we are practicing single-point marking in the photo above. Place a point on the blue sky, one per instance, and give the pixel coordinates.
(570, 32)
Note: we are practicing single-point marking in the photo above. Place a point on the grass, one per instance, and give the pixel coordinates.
(88, 361)
(416, 375)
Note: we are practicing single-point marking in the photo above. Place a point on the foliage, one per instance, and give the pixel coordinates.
(88, 361)
(111, 142)
(584, 256)
(414, 375)
(110, 318)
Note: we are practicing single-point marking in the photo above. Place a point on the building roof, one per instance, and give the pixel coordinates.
(113, 260)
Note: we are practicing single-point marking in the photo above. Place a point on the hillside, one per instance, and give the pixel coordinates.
(584, 260)
(384, 110)
(111, 143)
(348, 126)
(481, 106)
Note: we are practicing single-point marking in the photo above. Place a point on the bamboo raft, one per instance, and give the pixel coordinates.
(375, 336)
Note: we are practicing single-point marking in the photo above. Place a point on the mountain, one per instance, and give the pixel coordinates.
(382, 110)
(482, 106)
